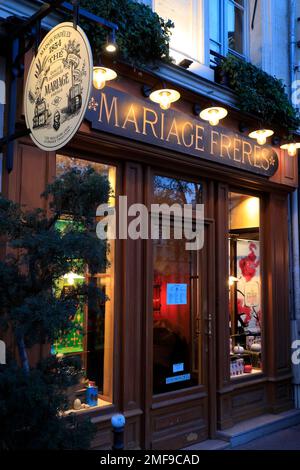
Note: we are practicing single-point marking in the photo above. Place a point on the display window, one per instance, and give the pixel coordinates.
(245, 303)
(176, 296)
(93, 339)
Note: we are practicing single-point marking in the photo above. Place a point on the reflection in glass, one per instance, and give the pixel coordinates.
(94, 341)
(174, 191)
(214, 20)
(176, 303)
(235, 20)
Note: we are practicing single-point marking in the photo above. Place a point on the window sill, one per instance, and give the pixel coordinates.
(196, 83)
(87, 409)
(255, 372)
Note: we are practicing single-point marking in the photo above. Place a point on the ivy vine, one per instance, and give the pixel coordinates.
(143, 39)
(143, 36)
(259, 93)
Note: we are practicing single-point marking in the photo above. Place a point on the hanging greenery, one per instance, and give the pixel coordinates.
(259, 93)
(143, 37)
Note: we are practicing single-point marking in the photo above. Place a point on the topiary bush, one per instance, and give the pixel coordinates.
(143, 37)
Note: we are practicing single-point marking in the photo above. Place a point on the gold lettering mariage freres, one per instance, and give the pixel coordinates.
(116, 112)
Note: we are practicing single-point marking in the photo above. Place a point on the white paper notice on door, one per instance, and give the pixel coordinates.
(176, 294)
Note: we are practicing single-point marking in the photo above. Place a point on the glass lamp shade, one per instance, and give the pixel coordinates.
(101, 75)
(261, 135)
(291, 148)
(110, 47)
(213, 115)
(164, 97)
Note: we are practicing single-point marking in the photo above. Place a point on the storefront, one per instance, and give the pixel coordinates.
(188, 342)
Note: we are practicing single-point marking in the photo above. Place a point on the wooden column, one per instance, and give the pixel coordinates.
(131, 316)
(276, 292)
(224, 414)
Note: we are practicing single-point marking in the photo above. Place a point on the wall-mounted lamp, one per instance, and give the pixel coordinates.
(111, 45)
(261, 135)
(291, 148)
(101, 75)
(163, 96)
(213, 115)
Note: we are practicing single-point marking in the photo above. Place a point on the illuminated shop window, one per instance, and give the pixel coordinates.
(186, 39)
(244, 281)
(177, 316)
(94, 344)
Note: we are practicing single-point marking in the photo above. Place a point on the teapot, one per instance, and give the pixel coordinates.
(256, 346)
(238, 349)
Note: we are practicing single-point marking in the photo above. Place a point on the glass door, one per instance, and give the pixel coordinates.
(180, 300)
(176, 291)
(176, 317)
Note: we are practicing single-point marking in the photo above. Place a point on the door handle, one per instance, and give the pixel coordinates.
(209, 324)
(198, 326)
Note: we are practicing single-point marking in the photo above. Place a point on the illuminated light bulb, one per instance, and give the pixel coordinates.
(110, 47)
(164, 97)
(261, 135)
(213, 115)
(291, 148)
(101, 75)
(261, 139)
(165, 100)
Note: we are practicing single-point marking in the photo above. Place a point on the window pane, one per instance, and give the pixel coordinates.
(95, 343)
(174, 191)
(176, 311)
(214, 20)
(235, 20)
(181, 12)
(244, 285)
(215, 47)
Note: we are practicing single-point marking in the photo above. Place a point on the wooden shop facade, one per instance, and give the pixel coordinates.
(190, 342)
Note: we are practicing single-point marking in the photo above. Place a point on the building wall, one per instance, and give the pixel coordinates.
(267, 41)
(2, 104)
(297, 51)
(273, 16)
(268, 49)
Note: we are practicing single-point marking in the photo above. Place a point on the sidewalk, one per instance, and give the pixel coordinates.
(266, 432)
(286, 439)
